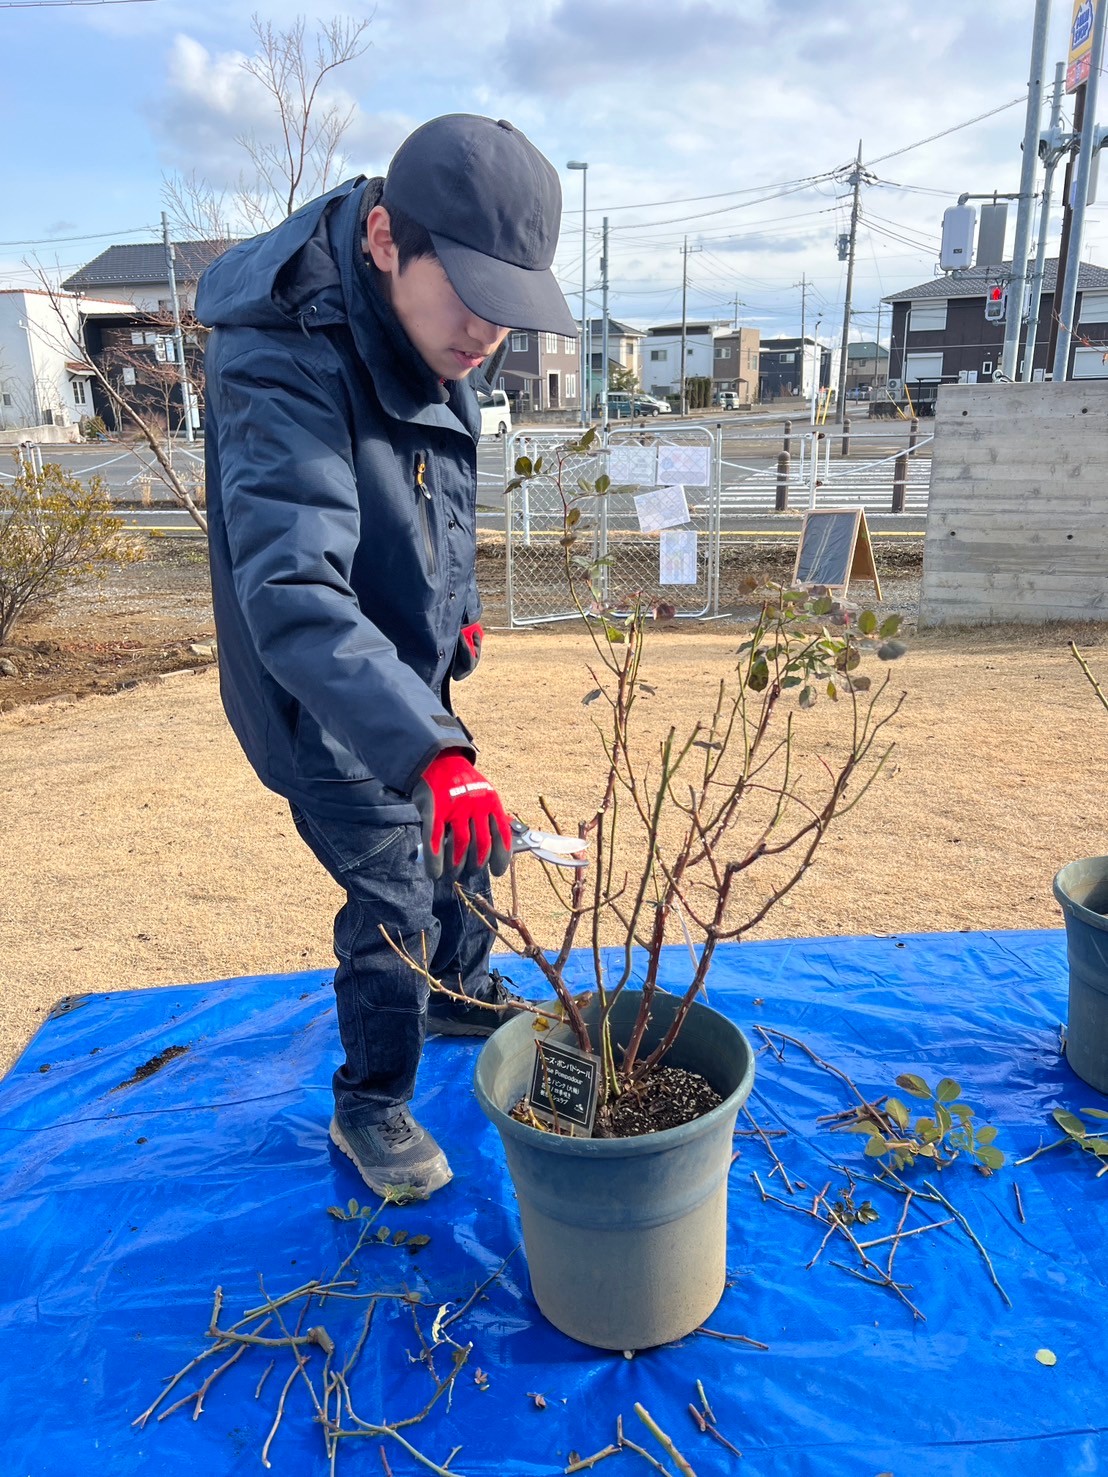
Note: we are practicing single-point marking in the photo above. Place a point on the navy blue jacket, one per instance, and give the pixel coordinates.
(341, 578)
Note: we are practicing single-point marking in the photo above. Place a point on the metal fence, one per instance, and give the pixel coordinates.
(653, 536)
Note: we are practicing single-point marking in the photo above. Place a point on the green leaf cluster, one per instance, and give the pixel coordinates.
(938, 1136)
(849, 1214)
(1079, 1134)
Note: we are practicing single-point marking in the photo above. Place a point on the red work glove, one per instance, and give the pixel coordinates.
(473, 636)
(455, 801)
(468, 652)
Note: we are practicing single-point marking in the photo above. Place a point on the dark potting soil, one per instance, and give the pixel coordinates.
(667, 1098)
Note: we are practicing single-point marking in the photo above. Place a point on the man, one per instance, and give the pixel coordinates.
(341, 484)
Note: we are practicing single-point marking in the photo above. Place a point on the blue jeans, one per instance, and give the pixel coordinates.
(381, 1001)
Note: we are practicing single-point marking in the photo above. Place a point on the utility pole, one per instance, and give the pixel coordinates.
(178, 336)
(1053, 152)
(877, 349)
(684, 320)
(1065, 297)
(855, 179)
(1067, 221)
(604, 329)
(803, 285)
(1017, 294)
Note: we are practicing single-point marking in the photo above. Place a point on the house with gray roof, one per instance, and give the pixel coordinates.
(940, 334)
(137, 273)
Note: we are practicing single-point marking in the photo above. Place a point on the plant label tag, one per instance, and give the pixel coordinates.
(564, 1087)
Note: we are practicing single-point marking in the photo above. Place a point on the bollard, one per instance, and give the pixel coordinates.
(782, 504)
(913, 433)
(900, 478)
(788, 446)
(846, 436)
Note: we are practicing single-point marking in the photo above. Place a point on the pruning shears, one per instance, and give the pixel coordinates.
(548, 846)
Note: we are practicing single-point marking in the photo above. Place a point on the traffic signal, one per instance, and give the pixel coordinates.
(996, 303)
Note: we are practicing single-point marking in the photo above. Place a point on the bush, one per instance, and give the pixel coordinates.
(54, 527)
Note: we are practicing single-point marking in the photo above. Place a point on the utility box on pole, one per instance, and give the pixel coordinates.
(956, 250)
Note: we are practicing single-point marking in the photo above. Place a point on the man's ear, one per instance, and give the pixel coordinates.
(379, 245)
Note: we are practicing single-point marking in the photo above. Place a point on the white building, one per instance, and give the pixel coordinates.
(661, 356)
(43, 376)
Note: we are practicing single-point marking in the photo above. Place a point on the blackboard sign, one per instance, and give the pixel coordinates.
(564, 1086)
(834, 549)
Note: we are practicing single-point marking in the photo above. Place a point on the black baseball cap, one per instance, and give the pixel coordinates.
(492, 205)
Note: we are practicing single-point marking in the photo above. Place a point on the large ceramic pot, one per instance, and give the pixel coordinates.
(626, 1239)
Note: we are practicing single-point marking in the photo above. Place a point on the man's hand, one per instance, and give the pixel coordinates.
(468, 652)
(458, 804)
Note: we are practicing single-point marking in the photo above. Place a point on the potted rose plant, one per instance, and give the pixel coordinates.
(693, 842)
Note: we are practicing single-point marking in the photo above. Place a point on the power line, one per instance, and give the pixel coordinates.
(96, 236)
(61, 4)
(695, 199)
(723, 210)
(896, 153)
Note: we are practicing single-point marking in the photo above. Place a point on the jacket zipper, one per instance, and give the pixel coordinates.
(423, 498)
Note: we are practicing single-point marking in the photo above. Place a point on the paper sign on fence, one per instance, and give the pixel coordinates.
(677, 556)
(633, 466)
(666, 507)
(691, 466)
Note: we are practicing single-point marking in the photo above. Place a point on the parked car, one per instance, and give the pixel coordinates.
(728, 399)
(623, 403)
(496, 414)
(651, 405)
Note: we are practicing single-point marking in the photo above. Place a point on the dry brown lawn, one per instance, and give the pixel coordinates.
(140, 850)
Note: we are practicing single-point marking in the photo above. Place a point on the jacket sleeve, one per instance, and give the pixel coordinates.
(290, 505)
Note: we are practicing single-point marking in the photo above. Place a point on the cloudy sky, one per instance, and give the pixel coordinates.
(729, 121)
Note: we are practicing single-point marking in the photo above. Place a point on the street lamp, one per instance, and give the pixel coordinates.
(584, 168)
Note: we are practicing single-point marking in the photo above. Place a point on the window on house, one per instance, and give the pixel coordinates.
(725, 352)
(927, 317)
(138, 338)
(1094, 307)
(987, 367)
(924, 367)
(519, 343)
(657, 355)
(571, 387)
(128, 375)
(786, 358)
(79, 396)
(7, 400)
(570, 345)
(551, 342)
(1088, 364)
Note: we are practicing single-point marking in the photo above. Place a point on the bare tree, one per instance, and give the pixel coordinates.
(126, 406)
(298, 160)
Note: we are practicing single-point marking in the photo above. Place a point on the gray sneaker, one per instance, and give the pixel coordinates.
(396, 1152)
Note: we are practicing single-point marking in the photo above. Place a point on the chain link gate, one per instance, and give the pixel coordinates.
(676, 563)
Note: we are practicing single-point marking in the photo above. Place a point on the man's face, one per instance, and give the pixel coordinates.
(449, 338)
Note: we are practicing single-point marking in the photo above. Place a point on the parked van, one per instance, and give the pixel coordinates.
(496, 414)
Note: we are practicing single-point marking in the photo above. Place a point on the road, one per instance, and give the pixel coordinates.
(749, 475)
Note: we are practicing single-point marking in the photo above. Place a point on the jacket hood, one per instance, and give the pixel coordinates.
(280, 279)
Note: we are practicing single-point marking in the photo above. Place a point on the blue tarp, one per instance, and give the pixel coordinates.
(122, 1210)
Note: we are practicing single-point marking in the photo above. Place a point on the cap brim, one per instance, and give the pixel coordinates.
(509, 296)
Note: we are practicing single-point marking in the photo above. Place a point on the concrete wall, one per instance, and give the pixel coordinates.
(1017, 521)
